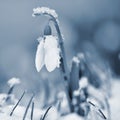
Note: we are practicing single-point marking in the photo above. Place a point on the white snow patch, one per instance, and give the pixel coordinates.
(72, 116)
(19, 112)
(83, 82)
(52, 114)
(115, 100)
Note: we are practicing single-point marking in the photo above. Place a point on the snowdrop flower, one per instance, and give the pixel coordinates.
(48, 53)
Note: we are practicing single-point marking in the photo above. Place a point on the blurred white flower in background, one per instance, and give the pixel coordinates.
(48, 53)
(13, 81)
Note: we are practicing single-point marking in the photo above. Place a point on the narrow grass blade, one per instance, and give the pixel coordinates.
(43, 118)
(98, 110)
(28, 107)
(17, 103)
(32, 110)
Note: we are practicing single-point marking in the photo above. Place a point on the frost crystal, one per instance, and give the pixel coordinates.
(48, 53)
(44, 10)
(13, 81)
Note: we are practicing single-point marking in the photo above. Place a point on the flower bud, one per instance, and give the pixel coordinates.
(47, 30)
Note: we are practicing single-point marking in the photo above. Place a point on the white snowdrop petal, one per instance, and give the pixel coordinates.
(39, 60)
(72, 116)
(52, 59)
(50, 42)
(50, 62)
(52, 53)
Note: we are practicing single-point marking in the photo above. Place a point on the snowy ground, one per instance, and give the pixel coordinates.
(115, 101)
(54, 115)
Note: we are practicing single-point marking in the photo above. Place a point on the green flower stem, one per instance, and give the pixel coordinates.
(63, 65)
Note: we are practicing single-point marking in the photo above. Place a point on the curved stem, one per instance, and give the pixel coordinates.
(60, 38)
(63, 56)
(63, 64)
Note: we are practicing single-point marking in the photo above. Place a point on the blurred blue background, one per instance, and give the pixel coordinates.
(87, 25)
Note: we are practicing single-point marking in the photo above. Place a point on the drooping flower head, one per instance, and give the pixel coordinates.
(48, 50)
(48, 53)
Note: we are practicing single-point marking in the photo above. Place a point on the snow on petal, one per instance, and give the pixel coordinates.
(19, 112)
(52, 59)
(72, 116)
(39, 59)
(13, 81)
